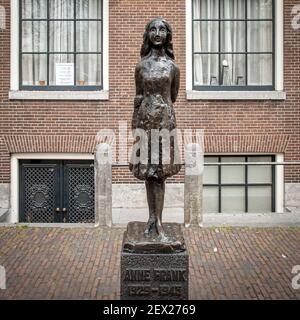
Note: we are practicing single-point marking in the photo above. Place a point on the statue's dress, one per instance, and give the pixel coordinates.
(156, 112)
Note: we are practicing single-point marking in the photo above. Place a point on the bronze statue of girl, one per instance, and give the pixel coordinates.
(157, 84)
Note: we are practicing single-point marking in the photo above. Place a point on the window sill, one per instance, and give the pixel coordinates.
(59, 95)
(235, 95)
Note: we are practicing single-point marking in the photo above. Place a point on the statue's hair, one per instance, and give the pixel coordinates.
(146, 46)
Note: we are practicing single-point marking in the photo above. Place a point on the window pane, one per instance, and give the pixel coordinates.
(61, 9)
(206, 70)
(232, 9)
(233, 36)
(233, 71)
(233, 199)
(34, 69)
(61, 36)
(55, 61)
(34, 9)
(34, 36)
(233, 174)
(88, 9)
(260, 69)
(206, 9)
(88, 36)
(260, 174)
(211, 172)
(259, 36)
(211, 199)
(259, 9)
(259, 199)
(88, 69)
(206, 35)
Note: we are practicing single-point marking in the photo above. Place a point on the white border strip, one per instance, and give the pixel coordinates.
(14, 45)
(279, 42)
(279, 184)
(58, 95)
(105, 48)
(189, 44)
(235, 95)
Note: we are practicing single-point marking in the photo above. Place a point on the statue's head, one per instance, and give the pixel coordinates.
(158, 33)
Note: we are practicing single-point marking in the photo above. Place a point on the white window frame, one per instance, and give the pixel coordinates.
(277, 94)
(279, 178)
(16, 94)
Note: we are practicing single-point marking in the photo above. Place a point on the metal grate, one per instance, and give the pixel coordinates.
(80, 189)
(39, 194)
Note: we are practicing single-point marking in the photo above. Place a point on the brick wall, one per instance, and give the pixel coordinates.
(46, 126)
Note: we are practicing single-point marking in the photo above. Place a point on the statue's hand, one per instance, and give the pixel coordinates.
(138, 100)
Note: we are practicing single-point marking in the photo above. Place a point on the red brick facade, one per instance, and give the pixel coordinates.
(230, 126)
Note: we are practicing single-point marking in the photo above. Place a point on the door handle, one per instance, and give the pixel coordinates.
(64, 210)
(57, 209)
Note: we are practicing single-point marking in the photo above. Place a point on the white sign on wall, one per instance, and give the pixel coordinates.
(64, 74)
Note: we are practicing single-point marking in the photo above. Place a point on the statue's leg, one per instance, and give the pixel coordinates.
(160, 192)
(151, 204)
(155, 197)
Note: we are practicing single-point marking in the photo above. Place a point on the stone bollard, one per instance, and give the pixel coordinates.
(103, 185)
(193, 185)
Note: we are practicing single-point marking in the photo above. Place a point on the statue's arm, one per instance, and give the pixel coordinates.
(175, 84)
(139, 89)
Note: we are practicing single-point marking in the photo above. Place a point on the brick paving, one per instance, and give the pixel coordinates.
(57, 263)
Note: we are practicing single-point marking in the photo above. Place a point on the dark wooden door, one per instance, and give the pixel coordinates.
(56, 191)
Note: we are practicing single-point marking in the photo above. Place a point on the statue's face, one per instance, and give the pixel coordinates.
(158, 33)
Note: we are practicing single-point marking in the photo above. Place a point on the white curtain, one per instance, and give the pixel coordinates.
(206, 38)
(89, 40)
(233, 36)
(61, 39)
(61, 35)
(260, 39)
(34, 39)
(233, 40)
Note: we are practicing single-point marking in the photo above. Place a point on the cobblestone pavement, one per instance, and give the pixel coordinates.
(72, 263)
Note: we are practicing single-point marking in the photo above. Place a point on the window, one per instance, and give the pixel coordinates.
(233, 44)
(239, 188)
(61, 45)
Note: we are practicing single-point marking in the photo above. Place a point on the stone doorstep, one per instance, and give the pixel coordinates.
(259, 220)
(49, 225)
(121, 216)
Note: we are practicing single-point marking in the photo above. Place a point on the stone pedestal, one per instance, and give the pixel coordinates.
(151, 269)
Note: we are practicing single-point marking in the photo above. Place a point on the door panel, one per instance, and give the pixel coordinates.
(79, 186)
(39, 192)
(56, 191)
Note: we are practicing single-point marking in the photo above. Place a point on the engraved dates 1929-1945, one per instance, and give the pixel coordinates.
(139, 276)
(162, 290)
